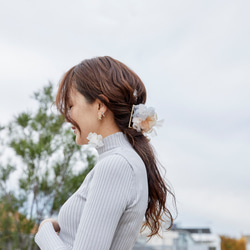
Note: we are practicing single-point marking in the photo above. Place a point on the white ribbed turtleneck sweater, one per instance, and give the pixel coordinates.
(107, 210)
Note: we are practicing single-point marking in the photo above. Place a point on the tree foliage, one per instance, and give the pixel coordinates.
(50, 167)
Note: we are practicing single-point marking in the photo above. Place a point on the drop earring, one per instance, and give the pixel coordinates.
(100, 116)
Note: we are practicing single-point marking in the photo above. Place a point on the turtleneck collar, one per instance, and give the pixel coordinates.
(113, 141)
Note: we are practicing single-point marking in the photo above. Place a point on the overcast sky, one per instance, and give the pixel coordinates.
(194, 59)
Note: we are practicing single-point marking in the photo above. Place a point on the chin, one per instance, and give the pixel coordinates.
(80, 141)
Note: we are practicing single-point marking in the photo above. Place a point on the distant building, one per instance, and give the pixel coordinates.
(204, 237)
(142, 246)
(182, 239)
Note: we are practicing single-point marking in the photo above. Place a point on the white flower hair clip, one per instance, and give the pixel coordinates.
(95, 140)
(144, 119)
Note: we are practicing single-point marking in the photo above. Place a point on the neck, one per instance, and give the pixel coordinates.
(108, 126)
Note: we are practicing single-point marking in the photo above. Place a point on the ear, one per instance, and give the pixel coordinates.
(100, 102)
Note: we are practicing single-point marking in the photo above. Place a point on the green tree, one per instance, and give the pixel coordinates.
(51, 167)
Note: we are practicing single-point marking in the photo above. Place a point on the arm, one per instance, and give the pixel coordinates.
(106, 201)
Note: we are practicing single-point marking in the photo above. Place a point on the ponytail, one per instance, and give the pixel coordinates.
(158, 189)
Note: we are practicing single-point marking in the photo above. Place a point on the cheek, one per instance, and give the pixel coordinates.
(87, 121)
(87, 124)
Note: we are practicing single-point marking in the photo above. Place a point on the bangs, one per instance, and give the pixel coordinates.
(63, 93)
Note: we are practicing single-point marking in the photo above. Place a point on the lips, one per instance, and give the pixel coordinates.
(74, 129)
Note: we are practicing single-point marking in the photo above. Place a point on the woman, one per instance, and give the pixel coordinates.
(104, 101)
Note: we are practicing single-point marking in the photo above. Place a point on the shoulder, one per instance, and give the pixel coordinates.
(113, 175)
(122, 159)
(123, 153)
(113, 164)
(132, 158)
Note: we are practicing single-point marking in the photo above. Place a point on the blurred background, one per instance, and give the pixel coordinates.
(193, 57)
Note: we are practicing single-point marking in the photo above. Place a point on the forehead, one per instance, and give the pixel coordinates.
(72, 93)
(76, 97)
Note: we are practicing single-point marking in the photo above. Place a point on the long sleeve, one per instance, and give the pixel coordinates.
(109, 194)
(107, 210)
(47, 238)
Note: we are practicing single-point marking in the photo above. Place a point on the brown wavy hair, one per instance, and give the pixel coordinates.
(114, 84)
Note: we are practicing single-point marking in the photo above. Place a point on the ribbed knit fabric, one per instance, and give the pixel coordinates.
(107, 211)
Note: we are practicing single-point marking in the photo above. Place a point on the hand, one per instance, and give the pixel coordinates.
(54, 223)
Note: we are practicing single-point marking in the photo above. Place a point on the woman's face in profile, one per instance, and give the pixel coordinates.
(84, 114)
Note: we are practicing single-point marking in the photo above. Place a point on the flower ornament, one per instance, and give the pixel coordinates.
(145, 119)
(95, 140)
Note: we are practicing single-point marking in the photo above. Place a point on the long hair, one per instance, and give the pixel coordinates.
(114, 84)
